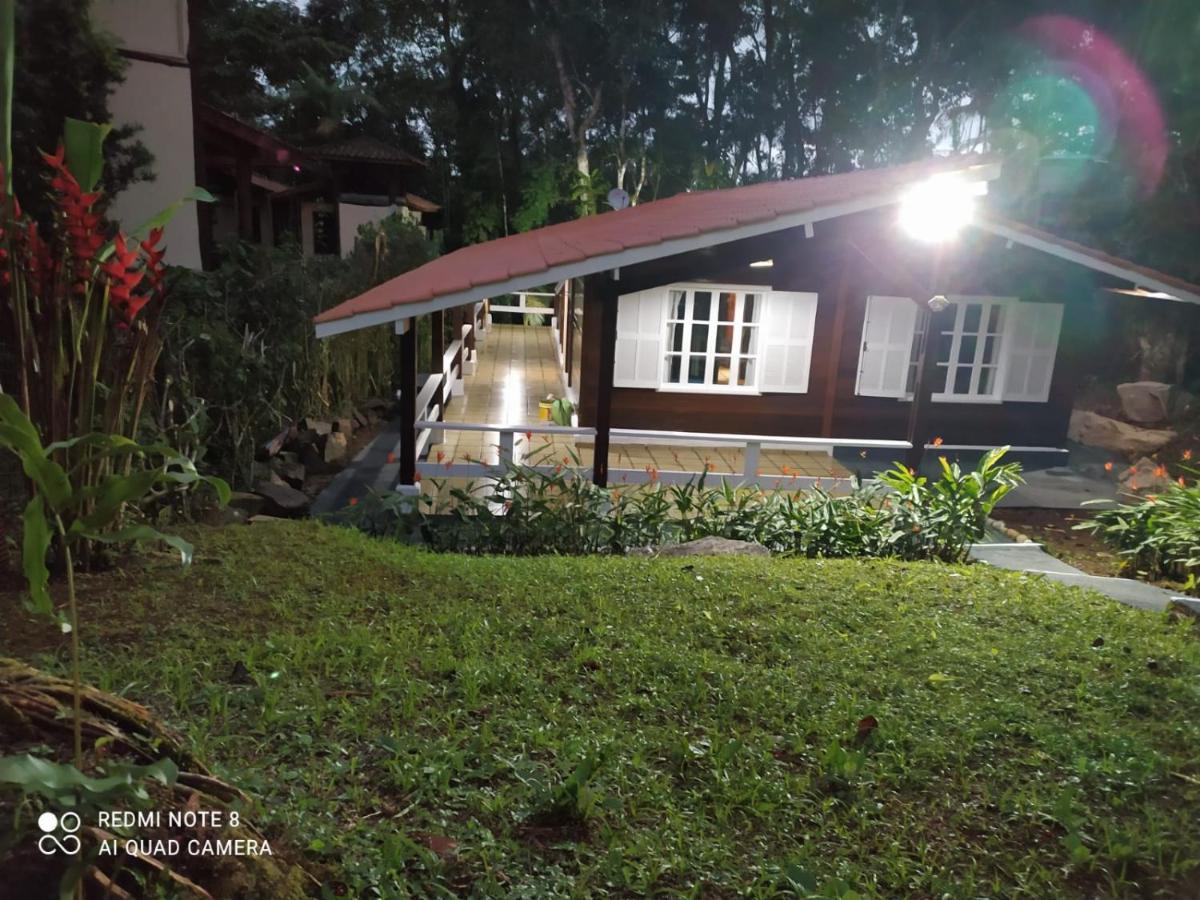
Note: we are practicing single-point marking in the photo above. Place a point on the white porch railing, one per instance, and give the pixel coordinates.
(508, 449)
(521, 306)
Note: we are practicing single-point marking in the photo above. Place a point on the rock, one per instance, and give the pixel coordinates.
(282, 500)
(360, 419)
(305, 438)
(320, 426)
(1145, 401)
(343, 426)
(714, 546)
(375, 405)
(1095, 430)
(291, 471)
(312, 457)
(336, 445)
(260, 518)
(1145, 477)
(276, 444)
(260, 471)
(1182, 403)
(247, 503)
(1184, 607)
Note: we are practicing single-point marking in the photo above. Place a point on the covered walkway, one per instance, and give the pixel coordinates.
(517, 368)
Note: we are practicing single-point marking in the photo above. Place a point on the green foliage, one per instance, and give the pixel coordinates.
(537, 508)
(1160, 535)
(119, 786)
(561, 411)
(72, 507)
(465, 691)
(243, 360)
(942, 518)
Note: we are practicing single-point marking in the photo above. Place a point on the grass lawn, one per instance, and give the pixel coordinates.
(438, 725)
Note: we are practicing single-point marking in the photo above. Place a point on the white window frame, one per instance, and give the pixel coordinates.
(962, 301)
(762, 294)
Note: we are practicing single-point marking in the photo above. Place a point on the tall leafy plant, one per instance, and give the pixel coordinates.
(70, 508)
(84, 309)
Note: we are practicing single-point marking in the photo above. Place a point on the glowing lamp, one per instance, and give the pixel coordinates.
(937, 209)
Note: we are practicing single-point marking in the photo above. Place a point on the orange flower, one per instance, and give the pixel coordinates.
(712, 467)
(391, 457)
(1160, 471)
(1187, 454)
(1182, 483)
(1108, 466)
(937, 442)
(440, 456)
(354, 501)
(529, 435)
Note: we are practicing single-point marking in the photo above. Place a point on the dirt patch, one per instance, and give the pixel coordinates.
(1055, 530)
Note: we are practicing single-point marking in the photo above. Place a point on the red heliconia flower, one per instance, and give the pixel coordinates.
(82, 224)
(122, 279)
(156, 271)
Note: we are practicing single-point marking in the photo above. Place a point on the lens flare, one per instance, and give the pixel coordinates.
(1093, 97)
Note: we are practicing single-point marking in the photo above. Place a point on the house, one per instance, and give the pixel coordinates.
(266, 188)
(794, 312)
(269, 190)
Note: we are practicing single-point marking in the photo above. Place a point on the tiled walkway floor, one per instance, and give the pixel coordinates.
(517, 368)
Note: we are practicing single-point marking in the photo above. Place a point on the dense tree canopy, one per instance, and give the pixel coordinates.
(531, 110)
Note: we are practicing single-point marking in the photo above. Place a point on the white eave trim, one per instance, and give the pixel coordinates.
(630, 257)
(1133, 276)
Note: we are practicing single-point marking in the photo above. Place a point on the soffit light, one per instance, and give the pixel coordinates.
(937, 209)
(762, 264)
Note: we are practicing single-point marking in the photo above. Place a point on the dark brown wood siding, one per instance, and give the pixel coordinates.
(846, 261)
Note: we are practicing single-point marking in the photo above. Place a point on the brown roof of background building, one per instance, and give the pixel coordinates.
(364, 148)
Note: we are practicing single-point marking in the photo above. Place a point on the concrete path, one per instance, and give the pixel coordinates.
(370, 470)
(1033, 560)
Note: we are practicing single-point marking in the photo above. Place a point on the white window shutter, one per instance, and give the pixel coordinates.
(786, 331)
(639, 339)
(886, 349)
(1032, 339)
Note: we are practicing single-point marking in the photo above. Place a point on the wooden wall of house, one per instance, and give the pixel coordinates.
(844, 262)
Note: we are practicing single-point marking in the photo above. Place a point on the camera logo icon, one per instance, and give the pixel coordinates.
(50, 825)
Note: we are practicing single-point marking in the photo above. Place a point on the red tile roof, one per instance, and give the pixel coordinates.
(589, 244)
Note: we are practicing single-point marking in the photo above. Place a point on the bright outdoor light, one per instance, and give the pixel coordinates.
(937, 209)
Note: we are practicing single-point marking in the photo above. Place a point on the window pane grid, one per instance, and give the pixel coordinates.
(972, 358)
(712, 338)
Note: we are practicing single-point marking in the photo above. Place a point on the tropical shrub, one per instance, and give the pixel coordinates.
(71, 507)
(1159, 536)
(532, 509)
(941, 518)
(243, 360)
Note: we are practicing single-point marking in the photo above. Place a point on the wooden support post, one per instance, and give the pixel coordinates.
(918, 413)
(607, 289)
(407, 383)
(569, 331)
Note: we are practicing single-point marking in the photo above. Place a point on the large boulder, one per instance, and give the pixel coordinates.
(282, 500)
(1095, 430)
(714, 546)
(1146, 401)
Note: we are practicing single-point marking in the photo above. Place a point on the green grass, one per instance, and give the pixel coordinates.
(1032, 740)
